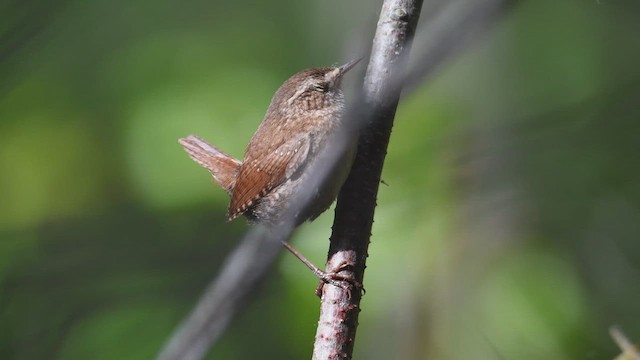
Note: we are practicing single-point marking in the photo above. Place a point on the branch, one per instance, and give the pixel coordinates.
(339, 308)
(249, 264)
(456, 25)
(241, 273)
(629, 350)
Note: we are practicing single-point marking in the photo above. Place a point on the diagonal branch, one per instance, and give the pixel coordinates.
(383, 84)
(339, 308)
(243, 270)
(249, 264)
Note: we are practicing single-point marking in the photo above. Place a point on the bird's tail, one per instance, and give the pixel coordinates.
(223, 167)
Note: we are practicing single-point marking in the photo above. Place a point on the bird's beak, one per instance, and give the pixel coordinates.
(346, 67)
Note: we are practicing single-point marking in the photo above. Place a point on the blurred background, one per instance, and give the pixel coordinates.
(509, 228)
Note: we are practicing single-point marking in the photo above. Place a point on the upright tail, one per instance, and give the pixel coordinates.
(223, 167)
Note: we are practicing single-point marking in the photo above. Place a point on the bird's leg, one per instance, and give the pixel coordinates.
(334, 278)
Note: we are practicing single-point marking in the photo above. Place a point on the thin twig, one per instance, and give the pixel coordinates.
(629, 350)
(245, 268)
(339, 308)
(383, 83)
(248, 265)
(457, 24)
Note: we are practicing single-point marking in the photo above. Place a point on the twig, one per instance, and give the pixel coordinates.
(459, 23)
(629, 350)
(339, 308)
(241, 273)
(248, 265)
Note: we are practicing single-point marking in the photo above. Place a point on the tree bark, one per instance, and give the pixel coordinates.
(453, 27)
(340, 307)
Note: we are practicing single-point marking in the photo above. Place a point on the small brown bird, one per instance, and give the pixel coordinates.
(303, 113)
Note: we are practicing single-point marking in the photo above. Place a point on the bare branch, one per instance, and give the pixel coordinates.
(248, 265)
(629, 350)
(457, 25)
(243, 271)
(339, 308)
(383, 83)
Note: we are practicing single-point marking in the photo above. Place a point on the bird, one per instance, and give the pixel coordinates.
(303, 114)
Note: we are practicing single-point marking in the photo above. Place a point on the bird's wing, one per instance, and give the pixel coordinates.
(259, 175)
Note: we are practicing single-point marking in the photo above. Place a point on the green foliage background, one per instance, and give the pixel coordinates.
(509, 228)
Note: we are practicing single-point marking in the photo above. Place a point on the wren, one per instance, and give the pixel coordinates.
(303, 113)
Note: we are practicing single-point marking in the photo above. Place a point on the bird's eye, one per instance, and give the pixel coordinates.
(321, 87)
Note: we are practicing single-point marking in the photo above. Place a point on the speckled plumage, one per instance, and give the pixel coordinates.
(304, 111)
